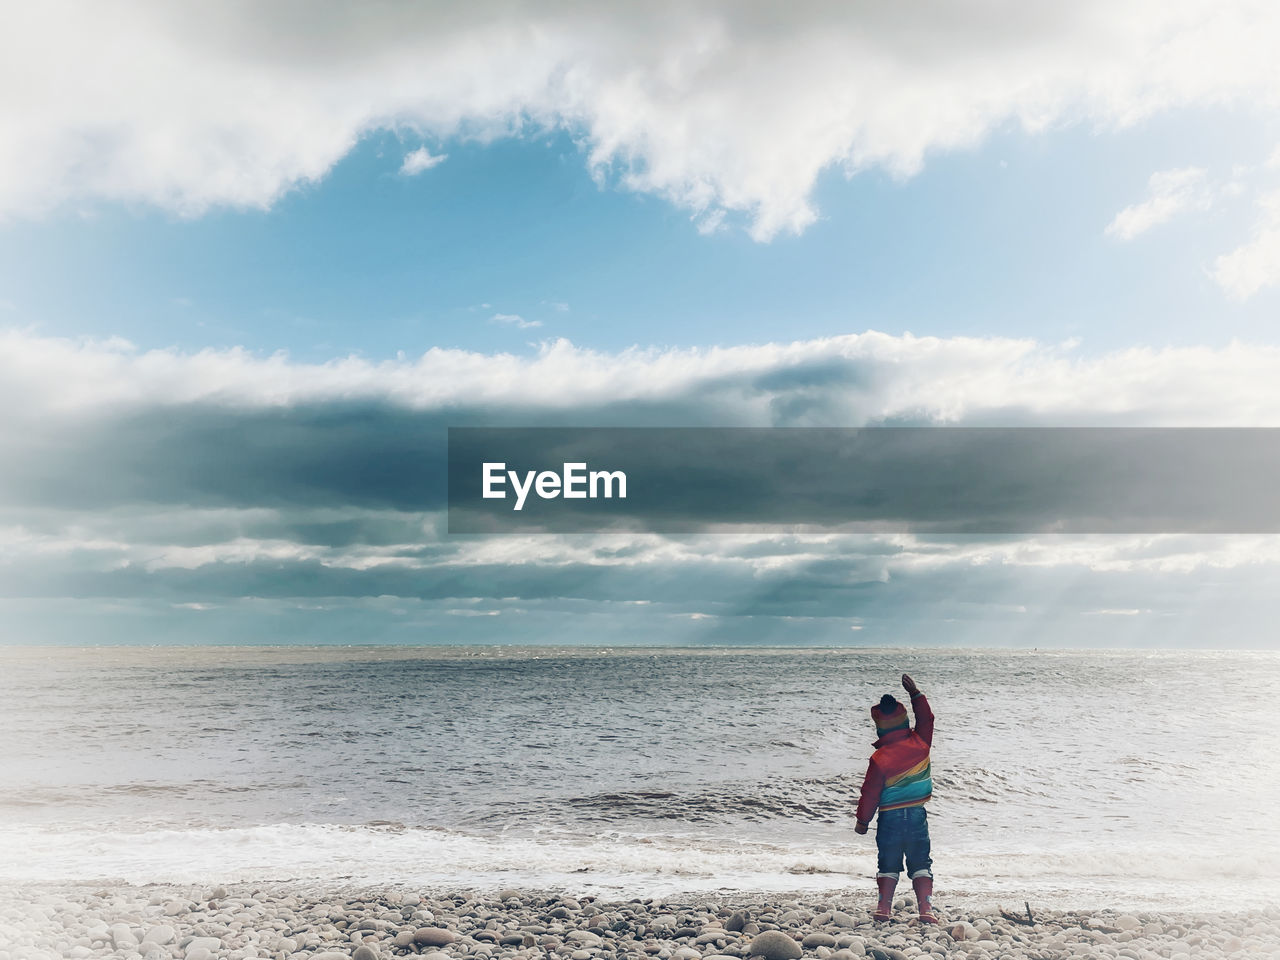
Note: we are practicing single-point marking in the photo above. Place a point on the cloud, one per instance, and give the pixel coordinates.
(515, 320)
(264, 489)
(1255, 264)
(719, 107)
(1242, 272)
(693, 586)
(1170, 193)
(848, 380)
(420, 160)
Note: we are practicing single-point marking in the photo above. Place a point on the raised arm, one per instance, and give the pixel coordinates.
(920, 707)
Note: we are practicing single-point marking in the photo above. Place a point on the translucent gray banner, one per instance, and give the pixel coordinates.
(875, 479)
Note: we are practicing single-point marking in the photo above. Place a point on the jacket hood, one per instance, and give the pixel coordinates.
(893, 736)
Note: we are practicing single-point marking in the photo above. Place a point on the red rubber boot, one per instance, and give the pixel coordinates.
(924, 898)
(884, 909)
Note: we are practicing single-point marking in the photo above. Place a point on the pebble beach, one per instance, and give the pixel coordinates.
(240, 923)
(229, 805)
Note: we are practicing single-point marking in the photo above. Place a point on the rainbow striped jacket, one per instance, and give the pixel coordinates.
(899, 772)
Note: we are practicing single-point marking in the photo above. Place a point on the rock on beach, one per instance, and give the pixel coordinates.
(774, 945)
(285, 923)
(434, 937)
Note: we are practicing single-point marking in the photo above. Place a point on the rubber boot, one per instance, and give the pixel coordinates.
(923, 887)
(884, 909)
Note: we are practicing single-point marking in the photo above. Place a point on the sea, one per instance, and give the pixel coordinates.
(1062, 778)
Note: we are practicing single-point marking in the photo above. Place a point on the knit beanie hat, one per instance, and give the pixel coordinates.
(889, 715)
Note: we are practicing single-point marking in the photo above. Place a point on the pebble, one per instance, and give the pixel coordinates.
(434, 937)
(775, 945)
(160, 935)
(244, 923)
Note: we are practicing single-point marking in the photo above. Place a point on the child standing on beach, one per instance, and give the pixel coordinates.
(898, 784)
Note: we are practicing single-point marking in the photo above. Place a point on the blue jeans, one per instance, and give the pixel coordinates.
(903, 834)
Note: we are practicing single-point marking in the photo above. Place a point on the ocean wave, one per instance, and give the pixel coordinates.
(826, 800)
(822, 799)
(634, 864)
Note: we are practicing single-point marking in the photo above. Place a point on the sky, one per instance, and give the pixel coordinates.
(256, 258)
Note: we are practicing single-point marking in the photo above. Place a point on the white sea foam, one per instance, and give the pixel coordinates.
(612, 864)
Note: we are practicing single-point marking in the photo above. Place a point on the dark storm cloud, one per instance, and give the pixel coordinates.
(362, 455)
(307, 502)
(378, 457)
(337, 453)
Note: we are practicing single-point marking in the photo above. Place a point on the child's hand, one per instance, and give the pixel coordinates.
(860, 828)
(909, 685)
